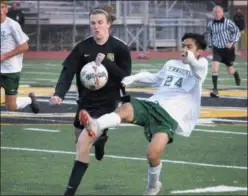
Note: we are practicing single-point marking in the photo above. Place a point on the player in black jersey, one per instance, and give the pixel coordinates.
(115, 56)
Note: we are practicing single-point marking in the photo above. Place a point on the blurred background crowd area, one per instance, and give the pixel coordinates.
(144, 25)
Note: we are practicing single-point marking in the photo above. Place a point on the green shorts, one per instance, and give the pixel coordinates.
(153, 118)
(10, 82)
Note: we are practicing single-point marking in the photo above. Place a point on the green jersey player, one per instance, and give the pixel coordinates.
(174, 107)
(13, 43)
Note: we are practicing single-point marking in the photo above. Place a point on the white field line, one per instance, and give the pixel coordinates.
(220, 131)
(228, 120)
(215, 189)
(42, 130)
(64, 102)
(201, 121)
(28, 82)
(48, 79)
(126, 158)
(41, 73)
(43, 64)
(126, 125)
(206, 125)
(24, 85)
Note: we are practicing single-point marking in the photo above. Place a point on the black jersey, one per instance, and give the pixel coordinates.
(117, 62)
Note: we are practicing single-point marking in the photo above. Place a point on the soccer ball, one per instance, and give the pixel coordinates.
(94, 76)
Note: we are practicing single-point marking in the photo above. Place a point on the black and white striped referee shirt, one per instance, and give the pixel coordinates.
(221, 32)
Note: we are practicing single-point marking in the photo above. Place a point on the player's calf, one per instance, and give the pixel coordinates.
(100, 145)
(10, 107)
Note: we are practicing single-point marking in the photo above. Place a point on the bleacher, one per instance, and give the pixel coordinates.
(50, 10)
(165, 23)
(62, 12)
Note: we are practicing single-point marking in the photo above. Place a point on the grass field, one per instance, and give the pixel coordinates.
(36, 72)
(36, 158)
(208, 159)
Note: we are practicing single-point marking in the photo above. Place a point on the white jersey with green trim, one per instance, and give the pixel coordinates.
(179, 89)
(11, 37)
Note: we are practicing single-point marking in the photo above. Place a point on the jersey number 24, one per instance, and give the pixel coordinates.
(173, 81)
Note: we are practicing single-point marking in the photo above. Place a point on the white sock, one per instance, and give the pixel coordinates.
(22, 102)
(109, 120)
(153, 175)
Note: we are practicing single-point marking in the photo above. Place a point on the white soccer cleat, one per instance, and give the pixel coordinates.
(154, 190)
(90, 124)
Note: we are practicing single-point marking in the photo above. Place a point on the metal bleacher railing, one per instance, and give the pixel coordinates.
(143, 25)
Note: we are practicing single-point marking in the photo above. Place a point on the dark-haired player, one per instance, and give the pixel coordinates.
(174, 107)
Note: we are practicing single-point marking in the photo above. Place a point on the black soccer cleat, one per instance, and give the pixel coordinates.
(214, 94)
(34, 104)
(237, 81)
(99, 147)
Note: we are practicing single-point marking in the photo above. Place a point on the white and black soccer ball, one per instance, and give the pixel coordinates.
(94, 76)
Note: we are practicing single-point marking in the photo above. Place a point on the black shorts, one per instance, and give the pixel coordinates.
(10, 82)
(94, 112)
(224, 55)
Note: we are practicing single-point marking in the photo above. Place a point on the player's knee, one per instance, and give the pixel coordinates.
(125, 112)
(215, 67)
(83, 143)
(230, 70)
(10, 107)
(152, 156)
(215, 70)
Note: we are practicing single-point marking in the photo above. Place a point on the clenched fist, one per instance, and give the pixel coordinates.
(100, 57)
(55, 100)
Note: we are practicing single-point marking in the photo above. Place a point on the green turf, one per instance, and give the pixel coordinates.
(26, 173)
(29, 173)
(46, 72)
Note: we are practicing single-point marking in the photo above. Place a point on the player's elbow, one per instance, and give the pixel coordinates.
(25, 47)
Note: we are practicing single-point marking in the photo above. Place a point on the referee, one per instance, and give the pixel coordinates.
(222, 34)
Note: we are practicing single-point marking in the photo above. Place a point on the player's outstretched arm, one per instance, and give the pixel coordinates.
(147, 78)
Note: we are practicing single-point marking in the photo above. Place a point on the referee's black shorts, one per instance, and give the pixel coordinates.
(224, 55)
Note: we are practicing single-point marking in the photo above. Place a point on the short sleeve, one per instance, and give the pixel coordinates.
(19, 36)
